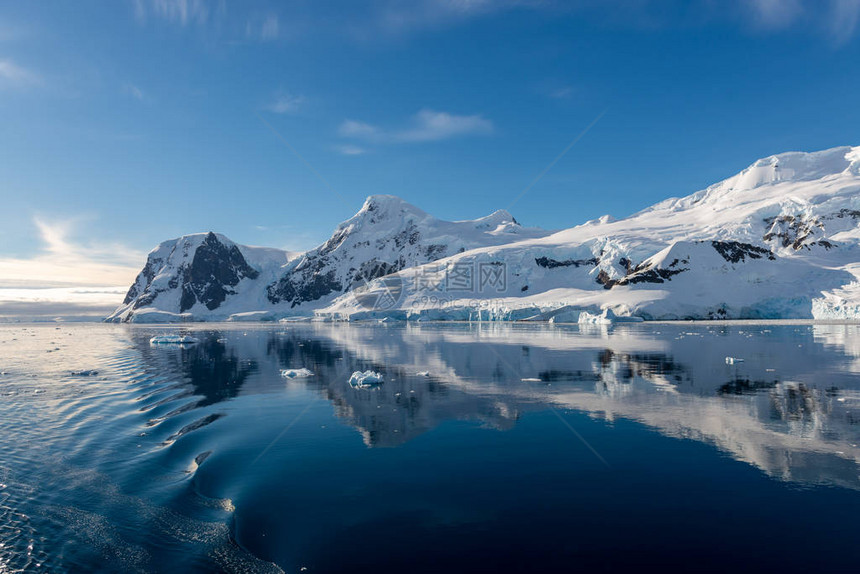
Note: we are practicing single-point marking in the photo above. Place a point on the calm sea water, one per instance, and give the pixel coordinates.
(486, 449)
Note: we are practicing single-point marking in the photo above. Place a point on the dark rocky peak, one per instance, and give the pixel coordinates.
(215, 268)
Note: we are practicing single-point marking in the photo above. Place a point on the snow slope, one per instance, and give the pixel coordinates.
(781, 239)
(199, 275)
(386, 236)
(778, 240)
(208, 277)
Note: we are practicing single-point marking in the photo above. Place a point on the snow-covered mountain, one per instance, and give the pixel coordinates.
(208, 277)
(386, 236)
(781, 239)
(198, 276)
(778, 240)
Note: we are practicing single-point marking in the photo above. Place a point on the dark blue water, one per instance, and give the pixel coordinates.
(487, 448)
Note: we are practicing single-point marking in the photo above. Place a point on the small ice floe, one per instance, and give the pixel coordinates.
(365, 379)
(422, 374)
(733, 360)
(296, 373)
(85, 373)
(173, 340)
(530, 380)
(607, 317)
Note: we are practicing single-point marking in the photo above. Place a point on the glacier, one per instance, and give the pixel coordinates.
(779, 240)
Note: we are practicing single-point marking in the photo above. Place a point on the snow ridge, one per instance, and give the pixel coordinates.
(780, 239)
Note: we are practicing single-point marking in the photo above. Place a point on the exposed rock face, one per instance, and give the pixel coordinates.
(781, 239)
(792, 231)
(194, 271)
(386, 236)
(737, 252)
(644, 273)
(213, 272)
(207, 276)
(550, 263)
(660, 270)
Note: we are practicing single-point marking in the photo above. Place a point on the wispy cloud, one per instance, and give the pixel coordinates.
(431, 125)
(402, 17)
(285, 103)
(844, 18)
(427, 125)
(356, 129)
(836, 19)
(64, 261)
(269, 29)
(264, 29)
(133, 91)
(561, 93)
(775, 14)
(181, 12)
(14, 76)
(349, 149)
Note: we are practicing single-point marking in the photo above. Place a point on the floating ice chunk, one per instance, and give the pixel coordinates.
(85, 373)
(530, 380)
(173, 340)
(296, 373)
(422, 374)
(607, 317)
(733, 360)
(365, 380)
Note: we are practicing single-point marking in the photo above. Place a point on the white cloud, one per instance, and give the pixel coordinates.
(349, 149)
(561, 93)
(400, 17)
(182, 12)
(14, 76)
(264, 29)
(432, 125)
(836, 19)
(426, 125)
(64, 262)
(269, 29)
(133, 91)
(356, 129)
(286, 103)
(775, 14)
(844, 17)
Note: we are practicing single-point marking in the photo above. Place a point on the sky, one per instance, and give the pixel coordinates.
(128, 123)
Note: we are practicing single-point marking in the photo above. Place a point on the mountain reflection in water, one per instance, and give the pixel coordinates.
(793, 415)
(204, 457)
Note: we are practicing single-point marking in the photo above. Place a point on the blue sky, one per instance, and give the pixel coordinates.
(127, 123)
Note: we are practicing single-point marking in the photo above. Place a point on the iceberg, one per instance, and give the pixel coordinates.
(365, 379)
(608, 317)
(296, 373)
